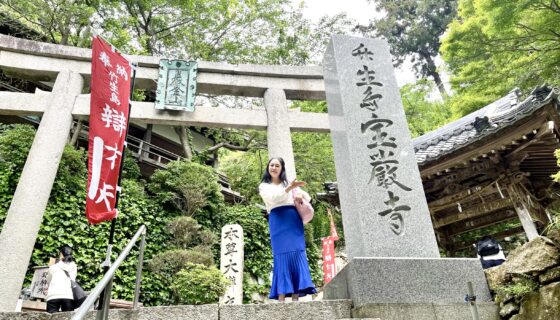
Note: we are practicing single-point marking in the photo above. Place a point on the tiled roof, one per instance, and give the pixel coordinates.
(499, 114)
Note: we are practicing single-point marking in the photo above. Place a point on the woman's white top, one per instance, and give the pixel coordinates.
(274, 195)
(59, 283)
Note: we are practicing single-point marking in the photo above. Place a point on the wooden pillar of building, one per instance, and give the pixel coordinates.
(520, 197)
(526, 221)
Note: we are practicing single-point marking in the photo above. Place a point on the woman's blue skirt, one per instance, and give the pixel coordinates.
(290, 274)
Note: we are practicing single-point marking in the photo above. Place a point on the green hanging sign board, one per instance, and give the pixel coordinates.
(176, 85)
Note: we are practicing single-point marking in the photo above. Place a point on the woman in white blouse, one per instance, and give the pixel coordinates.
(291, 276)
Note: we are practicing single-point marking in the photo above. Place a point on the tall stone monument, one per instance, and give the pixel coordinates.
(379, 181)
(389, 235)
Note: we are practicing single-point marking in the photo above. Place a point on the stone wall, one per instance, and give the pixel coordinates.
(527, 285)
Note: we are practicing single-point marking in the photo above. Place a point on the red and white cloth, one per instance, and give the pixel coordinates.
(329, 262)
(110, 93)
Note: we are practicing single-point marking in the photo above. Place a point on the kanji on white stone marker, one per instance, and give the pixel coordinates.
(231, 263)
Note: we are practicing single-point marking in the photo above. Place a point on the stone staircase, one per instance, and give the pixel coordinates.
(328, 310)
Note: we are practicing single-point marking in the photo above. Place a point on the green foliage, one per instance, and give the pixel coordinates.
(193, 243)
(64, 221)
(556, 177)
(131, 169)
(413, 29)
(313, 252)
(423, 115)
(188, 233)
(241, 31)
(199, 284)
(169, 262)
(60, 21)
(15, 142)
(311, 106)
(138, 208)
(518, 289)
(554, 225)
(314, 157)
(494, 46)
(244, 171)
(322, 226)
(191, 189)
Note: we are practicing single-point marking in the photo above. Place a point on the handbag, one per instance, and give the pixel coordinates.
(304, 208)
(77, 291)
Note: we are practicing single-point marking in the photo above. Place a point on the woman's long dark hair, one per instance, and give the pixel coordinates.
(67, 254)
(267, 178)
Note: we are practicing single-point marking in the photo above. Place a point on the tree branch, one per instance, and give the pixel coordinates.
(230, 146)
(180, 23)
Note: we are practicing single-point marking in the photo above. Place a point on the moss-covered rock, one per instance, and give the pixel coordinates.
(508, 309)
(533, 257)
(550, 275)
(554, 235)
(541, 305)
(496, 276)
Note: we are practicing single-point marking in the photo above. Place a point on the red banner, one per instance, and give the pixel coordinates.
(110, 92)
(329, 263)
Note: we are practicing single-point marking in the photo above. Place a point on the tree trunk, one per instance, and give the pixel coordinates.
(183, 134)
(432, 71)
(215, 163)
(64, 39)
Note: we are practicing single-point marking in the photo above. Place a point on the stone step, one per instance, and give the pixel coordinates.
(328, 310)
(335, 309)
(426, 311)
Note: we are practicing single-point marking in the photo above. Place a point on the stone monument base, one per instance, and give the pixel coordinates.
(408, 280)
(425, 311)
(412, 288)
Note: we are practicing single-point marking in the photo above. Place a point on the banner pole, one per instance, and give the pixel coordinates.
(107, 263)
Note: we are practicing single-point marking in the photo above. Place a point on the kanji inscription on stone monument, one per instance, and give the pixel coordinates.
(231, 263)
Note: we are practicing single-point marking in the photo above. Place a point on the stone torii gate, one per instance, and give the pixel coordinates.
(69, 68)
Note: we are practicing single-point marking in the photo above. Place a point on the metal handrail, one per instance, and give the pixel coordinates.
(107, 281)
(150, 148)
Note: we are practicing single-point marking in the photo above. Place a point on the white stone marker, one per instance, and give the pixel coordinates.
(231, 263)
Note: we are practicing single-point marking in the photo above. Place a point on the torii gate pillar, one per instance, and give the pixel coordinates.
(25, 214)
(278, 132)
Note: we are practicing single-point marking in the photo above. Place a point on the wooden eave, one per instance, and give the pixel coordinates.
(494, 141)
